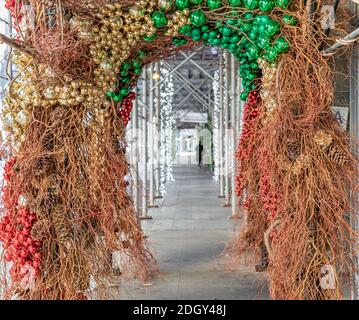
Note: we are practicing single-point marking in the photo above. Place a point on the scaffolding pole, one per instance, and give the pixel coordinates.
(227, 190)
(349, 39)
(151, 133)
(134, 153)
(221, 128)
(158, 132)
(144, 146)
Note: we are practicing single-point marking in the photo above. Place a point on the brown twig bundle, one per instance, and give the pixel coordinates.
(311, 232)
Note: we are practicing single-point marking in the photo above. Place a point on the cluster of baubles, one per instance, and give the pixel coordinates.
(245, 148)
(267, 193)
(15, 232)
(268, 87)
(129, 70)
(116, 33)
(126, 108)
(248, 36)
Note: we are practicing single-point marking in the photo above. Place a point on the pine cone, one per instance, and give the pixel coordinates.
(336, 154)
(62, 225)
(323, 139)
(300, 164)
(294, 150)
(44, 165)
(40, 230)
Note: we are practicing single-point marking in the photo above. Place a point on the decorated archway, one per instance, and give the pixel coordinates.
(65, 202)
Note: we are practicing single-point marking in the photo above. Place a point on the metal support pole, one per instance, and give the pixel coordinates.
(227, 190)
(240, 107)
(221, 129)
(134, 153)
(151, 134)
(350, 38)
(158, 133)
(234, 97)
(144, 146)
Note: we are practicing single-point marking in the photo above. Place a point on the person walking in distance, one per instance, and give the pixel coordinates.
(200, 151)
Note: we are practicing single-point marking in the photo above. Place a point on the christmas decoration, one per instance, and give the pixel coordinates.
(66, 208)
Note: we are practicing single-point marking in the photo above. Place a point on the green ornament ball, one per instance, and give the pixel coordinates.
(124, 73)
(271, 55)
(253, 35)
(198, 18)
(232, 46)
(126, 66)
(226, 31)
(248, 16)
(251, 76)
(216, 42)
(235, 3)
(262, 19)
(205, 35)
(263, 42)
(252, 51)
(125, 80)
(182, 4)
(205, 28)
(109, 94)
(159, 19)
(214, 4)
(231, 22)
(196, 32)
(244, 96)
(124, 91)
(281, 44)
(179, 41)
(186, 30)
(235, 38)
(136, 63)
(283, 4)
(266, 5)
(117, 97)
(225, 39)
(289, 20)
(213, 34)
(272, 28)
(137, 71)
(251, 4)
(246, 27)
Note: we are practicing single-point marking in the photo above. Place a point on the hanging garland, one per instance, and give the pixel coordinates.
(66, 113)
(167, 127)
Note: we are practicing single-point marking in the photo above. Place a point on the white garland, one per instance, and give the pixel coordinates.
(215, 124)
(167, 126)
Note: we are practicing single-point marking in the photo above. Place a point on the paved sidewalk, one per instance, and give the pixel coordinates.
(188, 232)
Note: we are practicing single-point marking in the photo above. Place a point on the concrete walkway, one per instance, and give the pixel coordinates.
(188, 232)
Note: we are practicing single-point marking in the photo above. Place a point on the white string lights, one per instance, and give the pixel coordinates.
(216, 150)
(167, 126)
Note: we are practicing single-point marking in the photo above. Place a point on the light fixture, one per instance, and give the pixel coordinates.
(156, 75)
